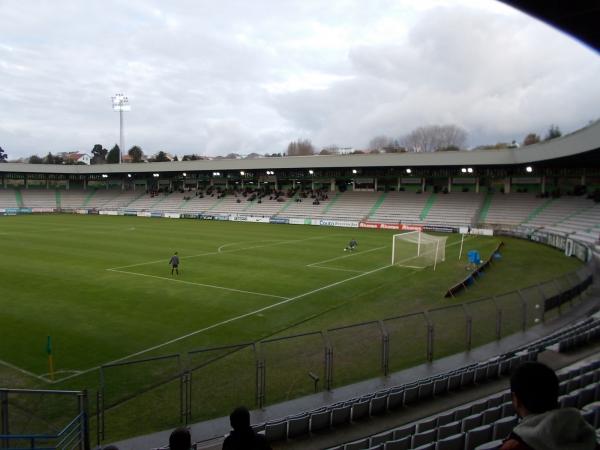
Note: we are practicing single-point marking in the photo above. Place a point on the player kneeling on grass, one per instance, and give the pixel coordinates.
(351, 245)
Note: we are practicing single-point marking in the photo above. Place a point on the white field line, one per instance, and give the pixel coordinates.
(26, 372)
(212, 286)
(222, 251)
(346, 256)
(312, 266)
(236, 318)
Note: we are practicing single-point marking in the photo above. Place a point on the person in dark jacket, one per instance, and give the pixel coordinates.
(174, 263)
(544, 426)
(180, 439)
(243, 437)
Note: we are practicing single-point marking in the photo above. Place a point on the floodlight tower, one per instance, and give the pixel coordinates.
(121, 104)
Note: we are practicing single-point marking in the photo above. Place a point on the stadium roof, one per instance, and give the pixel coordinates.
(581, 147)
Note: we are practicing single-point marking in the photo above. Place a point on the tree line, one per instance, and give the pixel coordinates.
(431, 138)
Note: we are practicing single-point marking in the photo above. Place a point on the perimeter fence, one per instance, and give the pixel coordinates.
(44, 419)
(209, 382)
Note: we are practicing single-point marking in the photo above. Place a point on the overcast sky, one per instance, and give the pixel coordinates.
(241, 76)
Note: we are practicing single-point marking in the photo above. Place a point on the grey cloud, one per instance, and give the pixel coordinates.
(244, 77)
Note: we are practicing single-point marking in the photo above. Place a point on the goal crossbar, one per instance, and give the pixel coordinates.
(416, 249)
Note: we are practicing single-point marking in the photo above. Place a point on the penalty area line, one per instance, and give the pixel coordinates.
(346, 256)
(213, 286)
(220, 250)
(232, 319)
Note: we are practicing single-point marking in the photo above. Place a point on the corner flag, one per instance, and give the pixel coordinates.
(50, 362)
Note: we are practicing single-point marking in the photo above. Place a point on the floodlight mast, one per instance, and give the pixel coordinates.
(121, 104)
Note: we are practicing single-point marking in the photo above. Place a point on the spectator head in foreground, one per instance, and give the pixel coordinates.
(240, 418)
(243, 437)
(544, 426)
(534, 388)
(180, 439)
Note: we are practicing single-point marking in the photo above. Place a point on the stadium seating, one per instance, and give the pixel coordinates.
(577, 217)
(38, 198)
(484, 423)
(480, 422)
(455, 209)
(399, 207)
(512, 209)
(8, 198)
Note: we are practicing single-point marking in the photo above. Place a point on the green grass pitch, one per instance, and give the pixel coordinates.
(102, 288)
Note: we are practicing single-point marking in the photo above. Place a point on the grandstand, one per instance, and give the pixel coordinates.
(452, 402)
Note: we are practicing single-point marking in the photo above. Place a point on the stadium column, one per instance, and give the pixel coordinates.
(375, 184)
(477, 185)
(84, 183)
(507, 185)
(543, 187)
(47, 181)
(449, 184)
(399, 184)
(423, 184)
(332, 185)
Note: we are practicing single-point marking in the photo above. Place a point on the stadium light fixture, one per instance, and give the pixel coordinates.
(408, 171)
(155, 175)
(216, 174)
(120, 104)
(104, 175)
(128, 175)
(528, 169)
(242, 173)
(184, 174)
(463, 170)
(354, 171)
(470, 169)
(311, 172)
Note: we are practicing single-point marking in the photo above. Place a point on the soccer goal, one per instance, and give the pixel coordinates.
(418, 250)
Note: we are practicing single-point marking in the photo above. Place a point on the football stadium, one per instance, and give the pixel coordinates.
(359, 301)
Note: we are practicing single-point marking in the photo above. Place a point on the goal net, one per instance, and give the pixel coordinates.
(418, 250)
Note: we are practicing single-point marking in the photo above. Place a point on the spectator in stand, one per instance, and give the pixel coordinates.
(544, 426)
(180, 439)
(243, 437)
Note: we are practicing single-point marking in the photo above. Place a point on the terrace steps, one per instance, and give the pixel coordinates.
(377, 204)
(428, 205)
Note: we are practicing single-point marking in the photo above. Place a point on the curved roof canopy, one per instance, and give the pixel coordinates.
(581, 147)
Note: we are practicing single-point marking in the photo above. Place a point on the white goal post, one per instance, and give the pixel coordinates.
(418, 250)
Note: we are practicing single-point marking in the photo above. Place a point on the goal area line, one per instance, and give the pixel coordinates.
(283, 301)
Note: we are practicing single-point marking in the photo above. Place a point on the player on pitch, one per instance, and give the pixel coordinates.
(351, 245)
(174, 263)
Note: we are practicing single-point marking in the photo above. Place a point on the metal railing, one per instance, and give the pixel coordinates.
(34, 419)
(209, 382)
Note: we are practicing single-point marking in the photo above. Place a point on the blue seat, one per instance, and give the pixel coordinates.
(425, 437)
(276, 430)
(503, 427)
(298, 425)
(320, 420)
(341, 415)
(360, 410)
(478, 436)
(399, 444)
(455, 442)
(449, 429)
